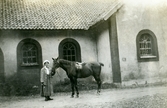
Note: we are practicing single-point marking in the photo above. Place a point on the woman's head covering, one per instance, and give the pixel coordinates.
(46, 61)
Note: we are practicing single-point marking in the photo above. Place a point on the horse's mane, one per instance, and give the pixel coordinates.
(65, 61)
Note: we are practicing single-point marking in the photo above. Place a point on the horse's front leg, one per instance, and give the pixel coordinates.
(76, 87)
(72, 87)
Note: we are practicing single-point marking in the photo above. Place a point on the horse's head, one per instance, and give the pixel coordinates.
(55, 65)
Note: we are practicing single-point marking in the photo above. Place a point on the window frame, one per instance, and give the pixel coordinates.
(75, 43)
(20, 56)
(154, 56)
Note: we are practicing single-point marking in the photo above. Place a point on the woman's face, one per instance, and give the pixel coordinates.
(47, 64)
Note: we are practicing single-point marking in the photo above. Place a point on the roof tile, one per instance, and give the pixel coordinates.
(53, 14)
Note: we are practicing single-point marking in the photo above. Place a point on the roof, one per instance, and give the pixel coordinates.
(55, 14)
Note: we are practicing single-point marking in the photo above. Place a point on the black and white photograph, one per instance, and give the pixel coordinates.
(83, 53)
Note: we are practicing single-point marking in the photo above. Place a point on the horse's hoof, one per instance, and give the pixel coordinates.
(72, 96)
(77, 96)
(98, 93)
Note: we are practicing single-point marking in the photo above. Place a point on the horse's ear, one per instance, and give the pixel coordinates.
(57, 59)
(53, 59)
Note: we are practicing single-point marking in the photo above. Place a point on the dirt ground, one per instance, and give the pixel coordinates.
(117, 98)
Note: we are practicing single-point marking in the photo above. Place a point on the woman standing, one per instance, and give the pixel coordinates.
(46, 81)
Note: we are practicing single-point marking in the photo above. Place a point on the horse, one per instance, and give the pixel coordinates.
(76, 70)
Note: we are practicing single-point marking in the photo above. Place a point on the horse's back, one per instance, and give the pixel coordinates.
(95, 66)
(94, 63)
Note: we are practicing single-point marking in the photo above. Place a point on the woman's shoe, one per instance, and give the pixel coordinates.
(50, 98)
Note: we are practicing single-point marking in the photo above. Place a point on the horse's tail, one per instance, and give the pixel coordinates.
(101, 64)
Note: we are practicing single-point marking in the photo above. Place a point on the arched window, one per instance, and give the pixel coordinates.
(29, 54)
(69, 49)
(147, 49)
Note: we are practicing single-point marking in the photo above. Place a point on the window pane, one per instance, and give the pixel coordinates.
(65, 57)
(34, 60)
(34, 53)
(73, 52)
(73, 58)
(24, 60)
(29, 60)
(24, 53)
(29, 53)
(64, 52)
(69, 52)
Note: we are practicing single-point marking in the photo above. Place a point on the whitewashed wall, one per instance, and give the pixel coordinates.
(9, 45)
(49, 41)
(104, 53)
(133, 17)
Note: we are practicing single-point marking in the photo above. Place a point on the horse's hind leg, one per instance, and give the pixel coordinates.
(98, 80)
(76, 87)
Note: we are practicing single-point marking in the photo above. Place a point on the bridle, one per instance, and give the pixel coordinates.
(55, 68)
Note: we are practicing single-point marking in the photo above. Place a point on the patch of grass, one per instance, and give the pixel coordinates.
(156, 84)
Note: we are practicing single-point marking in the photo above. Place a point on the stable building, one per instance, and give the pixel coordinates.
(124, 35)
